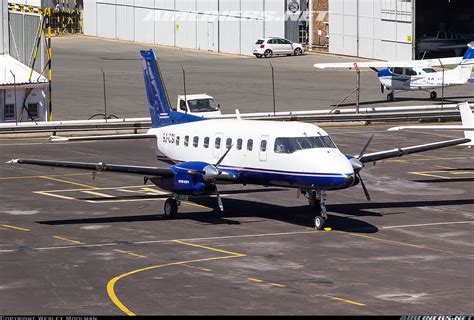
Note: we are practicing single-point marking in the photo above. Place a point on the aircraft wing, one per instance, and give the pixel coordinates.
(104, 137)
(390, 64)
(441, 127)
(398, 152)
(100, 166)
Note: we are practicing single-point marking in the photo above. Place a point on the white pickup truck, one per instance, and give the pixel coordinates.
(201, 105)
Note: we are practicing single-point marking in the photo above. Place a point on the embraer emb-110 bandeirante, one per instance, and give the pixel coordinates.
(416, 74)
(209, 152)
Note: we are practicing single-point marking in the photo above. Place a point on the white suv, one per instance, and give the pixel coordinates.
(273, 46)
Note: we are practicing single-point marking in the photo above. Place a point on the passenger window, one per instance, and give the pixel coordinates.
(239, 144)
(195, 142)
(250, 145)
(263, 145)
(228, 143)
(177, 141)
(186, 141)
(218, 143)
(206, 142)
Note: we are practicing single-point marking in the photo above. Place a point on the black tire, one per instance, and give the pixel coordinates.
(390, 97)
(319, 222)
(433, 95)
(258, 56)
(298, 52)
(268, 53)
(170, 209)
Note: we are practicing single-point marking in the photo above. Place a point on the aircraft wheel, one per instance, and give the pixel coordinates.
(319, 222)
(390, 97)
(171, 208)
(433, 95)
(268, 53)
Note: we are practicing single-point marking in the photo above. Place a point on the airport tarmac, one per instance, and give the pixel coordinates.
(234, 81)
(73, 245)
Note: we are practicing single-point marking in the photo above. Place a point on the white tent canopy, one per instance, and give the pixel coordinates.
(21, 73)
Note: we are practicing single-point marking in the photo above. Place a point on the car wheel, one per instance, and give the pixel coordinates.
(258, 56)
(268, 53)
(298, 52)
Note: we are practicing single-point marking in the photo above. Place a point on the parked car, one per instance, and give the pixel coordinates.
(268, 47)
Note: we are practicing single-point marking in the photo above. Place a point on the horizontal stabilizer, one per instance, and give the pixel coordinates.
(104, 137)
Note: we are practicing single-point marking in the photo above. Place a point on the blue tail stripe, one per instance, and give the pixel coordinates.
(158, 101)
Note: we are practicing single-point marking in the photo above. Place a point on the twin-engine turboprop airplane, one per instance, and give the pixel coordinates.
(210, 152)
(416, 74)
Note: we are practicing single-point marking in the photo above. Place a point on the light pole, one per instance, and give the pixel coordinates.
(14, 92)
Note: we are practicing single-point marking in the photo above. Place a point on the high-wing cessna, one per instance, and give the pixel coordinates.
(210, 152)
(416, 74)
(467, 118)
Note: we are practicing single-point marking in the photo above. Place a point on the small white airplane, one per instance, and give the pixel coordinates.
(467, 119)
(416, 74)
(210, 152)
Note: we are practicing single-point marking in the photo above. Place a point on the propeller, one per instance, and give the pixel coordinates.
(382, 88)
(357, 165)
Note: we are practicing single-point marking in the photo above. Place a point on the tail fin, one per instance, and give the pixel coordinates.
(467, 62)
(158, 101)
(467, 118)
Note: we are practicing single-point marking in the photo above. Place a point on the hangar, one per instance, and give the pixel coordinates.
(230, 26)
(397, 29)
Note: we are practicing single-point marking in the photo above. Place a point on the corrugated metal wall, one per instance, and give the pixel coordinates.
(3, 26)
(379, 29)
(22, 35)
(185, 23)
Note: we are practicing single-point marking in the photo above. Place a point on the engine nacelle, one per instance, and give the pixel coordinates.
(189, 179)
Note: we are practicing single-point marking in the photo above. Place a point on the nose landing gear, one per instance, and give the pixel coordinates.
(317, 201)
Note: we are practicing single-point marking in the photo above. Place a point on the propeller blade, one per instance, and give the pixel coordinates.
(365, 148)
(382, 88)
(223, 157)
(367, 195)
(219, 201)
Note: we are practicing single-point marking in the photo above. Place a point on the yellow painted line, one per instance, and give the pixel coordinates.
(13, 227)
(44, 193)
(430, 175)
(35, 177)
(68, 240)
(130, 253)
(255, 280)
(68, 182)
(192, 204)
(193, 267)
(347, 301)
(277, 285)
(209, 248)
(94, 193)
(112, 282)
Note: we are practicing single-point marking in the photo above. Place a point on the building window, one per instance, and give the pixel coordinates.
(186, 141)
(195, 142)
(206, 142)
(9, 112)
(250, 145)
(33, 110)
(228, 143)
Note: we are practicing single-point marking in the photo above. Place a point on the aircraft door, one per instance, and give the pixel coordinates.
(263, 147)
(218, 145)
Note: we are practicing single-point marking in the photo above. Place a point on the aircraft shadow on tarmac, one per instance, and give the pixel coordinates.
(341, 216)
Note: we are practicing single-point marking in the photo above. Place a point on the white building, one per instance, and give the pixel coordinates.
(3, 27)
(21, 98)
(230, 26)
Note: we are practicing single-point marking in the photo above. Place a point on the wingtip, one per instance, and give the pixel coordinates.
(13, 161)
(394, 129)
(57, 139)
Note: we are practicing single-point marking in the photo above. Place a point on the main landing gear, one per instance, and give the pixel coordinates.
(317, 201)
(171, 208)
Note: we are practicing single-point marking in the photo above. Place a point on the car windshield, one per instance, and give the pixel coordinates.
(290, 145)
(429, 70)
(259, 42)
(202, 105)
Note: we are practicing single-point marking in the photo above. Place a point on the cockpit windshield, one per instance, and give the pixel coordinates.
(429, 70)
(290, 145)
(202, 105)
